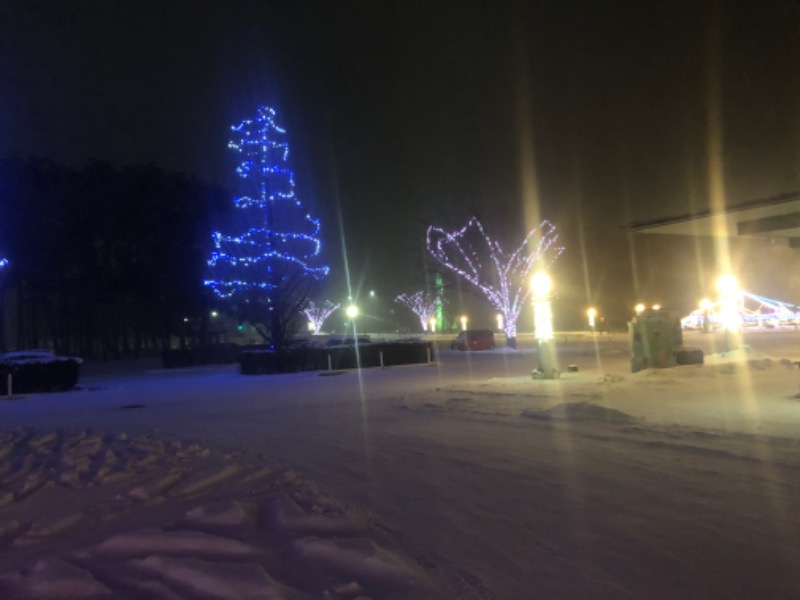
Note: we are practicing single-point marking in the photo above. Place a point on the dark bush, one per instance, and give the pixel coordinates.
(218, 354)
(342, 356)
(38, 372)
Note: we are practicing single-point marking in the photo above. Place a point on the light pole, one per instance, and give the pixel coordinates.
(541, 284)
(591, 314)
(433, 324)
(705, 306)
(352, 312)
(728, 289)
(639, 308)
(463, 323)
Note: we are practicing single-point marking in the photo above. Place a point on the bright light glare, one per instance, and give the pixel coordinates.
(639, 308)
(500, 322)
(433, 324)
(727, 285)
(541, 284)
(705, 304)
(542, 320)
(656, 307)
(352, 311)
(463, 322)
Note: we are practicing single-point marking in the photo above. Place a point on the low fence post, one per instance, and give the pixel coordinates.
(330, 363)
(9, 384)
(380, 354)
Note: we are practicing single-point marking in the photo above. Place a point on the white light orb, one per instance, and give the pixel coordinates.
(541, 284)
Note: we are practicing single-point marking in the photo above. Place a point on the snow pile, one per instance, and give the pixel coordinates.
(745, 391)
(84, 515)
(27, 357)
(580, 411)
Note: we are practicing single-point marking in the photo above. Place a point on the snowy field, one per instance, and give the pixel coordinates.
(464, 479)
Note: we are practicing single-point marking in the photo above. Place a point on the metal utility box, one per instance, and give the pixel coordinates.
(655, 338)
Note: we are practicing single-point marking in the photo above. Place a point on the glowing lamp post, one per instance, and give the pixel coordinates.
(728, 289)
(591, 315)
(656, 307)
(463, 323)
(639, 308)
(705, 306)
(541, 284)
(500, 323)
(352, 312)
(433, 324)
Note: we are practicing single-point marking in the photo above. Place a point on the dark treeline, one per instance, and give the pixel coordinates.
(104, 261)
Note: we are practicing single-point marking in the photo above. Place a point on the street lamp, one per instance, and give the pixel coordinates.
(705, 306)
(499, 322)
(433, 324)
(541, 285)
(591, 313)
(352, 312)
(639, 308)
(463, 323)
(656, 307)
(728, 289)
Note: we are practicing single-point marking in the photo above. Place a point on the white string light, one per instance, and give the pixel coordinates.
(422, 304)
(503, 279)
(317, 315)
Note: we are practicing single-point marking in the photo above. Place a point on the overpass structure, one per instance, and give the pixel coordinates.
(776, 218)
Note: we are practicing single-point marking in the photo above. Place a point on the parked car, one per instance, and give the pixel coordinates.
(474, 339)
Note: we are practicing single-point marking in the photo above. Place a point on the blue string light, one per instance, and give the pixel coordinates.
(281, 239)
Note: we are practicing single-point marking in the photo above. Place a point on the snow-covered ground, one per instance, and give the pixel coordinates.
(466, 479)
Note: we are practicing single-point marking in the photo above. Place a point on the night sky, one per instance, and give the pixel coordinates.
(403, 114)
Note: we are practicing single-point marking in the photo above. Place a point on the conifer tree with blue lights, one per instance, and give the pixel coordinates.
(269, 266)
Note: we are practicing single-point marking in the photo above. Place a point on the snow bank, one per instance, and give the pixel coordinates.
(86, 515)
(580, 411)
